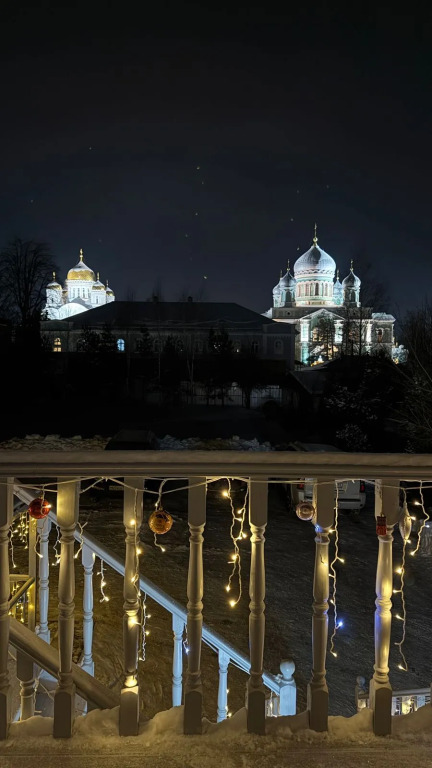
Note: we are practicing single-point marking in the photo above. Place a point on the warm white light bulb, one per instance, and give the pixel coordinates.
(232, 603)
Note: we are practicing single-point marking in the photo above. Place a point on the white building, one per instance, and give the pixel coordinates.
(82, 291)
(328, 315)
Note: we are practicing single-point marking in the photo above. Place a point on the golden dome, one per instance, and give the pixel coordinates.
(98, 286)
(54, 285)
(109, 290)
(81, 271)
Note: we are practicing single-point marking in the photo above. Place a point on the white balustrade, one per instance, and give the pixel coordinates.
(6, 515)
(288, 689)
(380, 692)
(132, 519)
(44, 528)
(256, 691)
(323, 500)
(195, 586)
(67, 518)
(87, 559)
(178, 626)
(222, 700)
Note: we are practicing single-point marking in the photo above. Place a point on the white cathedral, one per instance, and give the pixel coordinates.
(82, 291)
(327, 314)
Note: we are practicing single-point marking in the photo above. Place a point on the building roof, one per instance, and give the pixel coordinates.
(169, 314)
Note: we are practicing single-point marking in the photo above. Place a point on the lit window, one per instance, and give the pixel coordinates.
(121, 345)
(57, 345)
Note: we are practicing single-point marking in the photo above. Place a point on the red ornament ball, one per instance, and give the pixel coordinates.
(160, 521)
(39, 508)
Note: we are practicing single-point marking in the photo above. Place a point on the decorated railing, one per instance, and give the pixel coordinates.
(200, 469)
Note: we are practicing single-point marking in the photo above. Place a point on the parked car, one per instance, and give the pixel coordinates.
(350, 493)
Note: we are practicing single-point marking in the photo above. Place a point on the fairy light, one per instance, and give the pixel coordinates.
(104, 598)
(403, 666)
(157, 505)
(56, 545)
(237, 520)
(11, 547)
(81, 540)
(423, 522)
(336, 623)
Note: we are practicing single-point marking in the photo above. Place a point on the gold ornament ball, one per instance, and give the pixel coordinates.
(160, 521)
(305, 510)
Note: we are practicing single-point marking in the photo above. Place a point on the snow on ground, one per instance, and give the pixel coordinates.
(167, 443)
(288, 741)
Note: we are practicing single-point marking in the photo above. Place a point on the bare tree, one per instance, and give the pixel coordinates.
(25, 269)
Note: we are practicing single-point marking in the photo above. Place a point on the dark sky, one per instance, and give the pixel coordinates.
(175, 141)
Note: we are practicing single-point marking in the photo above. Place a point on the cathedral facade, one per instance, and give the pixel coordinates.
(82, 290)
(328, 314)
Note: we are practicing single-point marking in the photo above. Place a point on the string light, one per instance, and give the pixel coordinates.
(157, 506)
(104, 598)
(423, 522)
(336, 623)
(56, 545)
(405, 531)
(81, 541)
(237, 517)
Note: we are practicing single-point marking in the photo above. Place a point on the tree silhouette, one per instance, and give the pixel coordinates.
(25, 269)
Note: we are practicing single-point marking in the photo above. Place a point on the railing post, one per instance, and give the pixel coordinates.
(67, 518)
(6, 516)
(195, 586)
(177, 676)
(288, 688)
(222, 702)
(44, 527)
(25, 666)
(380, 691)
(323, 500)
(258, 503)
(132, 519)
(87, 559)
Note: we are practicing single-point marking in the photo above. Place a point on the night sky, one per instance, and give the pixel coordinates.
(189, 148)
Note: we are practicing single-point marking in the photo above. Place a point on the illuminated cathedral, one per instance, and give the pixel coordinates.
(82, 290)
(327, 313)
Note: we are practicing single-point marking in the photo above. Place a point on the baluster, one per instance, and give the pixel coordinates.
(287, 689)
(132, 519)
(87, 559)
(380, 691)
(25, 666)
(6, 516)
(317, 689)
(256, 692)
(193, 688)
(222, 707)
(178, 629)
(67, 518)
(44, 527)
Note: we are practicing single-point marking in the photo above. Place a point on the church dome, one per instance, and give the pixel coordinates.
(287, 281)
(98, 286)
(109, 290)
(351, 280)
(54, 285)
(277, 288)
(81, 271)
(315, 262)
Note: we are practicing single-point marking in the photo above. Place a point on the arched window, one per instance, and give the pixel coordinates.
(278, 347)
(120, 345)
(254, 347)
(325, 289)
(379, 335)
(316, 289)
(57, 345)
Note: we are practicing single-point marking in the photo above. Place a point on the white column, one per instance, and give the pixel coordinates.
(67, 517)
(6, 516)
(132, 519)
(87, 559)
(222, 705)
(256, 692)
(195, 586)
(177, 676)
(380, 692)
(317, 689)
(44, 527)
